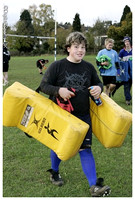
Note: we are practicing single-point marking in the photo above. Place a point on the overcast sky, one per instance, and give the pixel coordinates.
(89, 10)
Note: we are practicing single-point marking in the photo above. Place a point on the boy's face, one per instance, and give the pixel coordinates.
(109, 45)
(46, 61)
(127, 43)
(76, 52)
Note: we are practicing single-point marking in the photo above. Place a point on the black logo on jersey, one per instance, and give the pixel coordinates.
(51, 131)
(76, 81)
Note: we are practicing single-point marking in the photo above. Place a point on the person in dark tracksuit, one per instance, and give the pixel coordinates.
(6, 58)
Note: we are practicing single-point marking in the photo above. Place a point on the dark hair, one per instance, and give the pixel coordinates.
(75, 37)
(127, 38)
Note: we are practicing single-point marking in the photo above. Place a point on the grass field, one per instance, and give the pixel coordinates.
(26, 160)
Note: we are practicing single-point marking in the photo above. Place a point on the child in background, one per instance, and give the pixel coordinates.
(41, 65)
(109, 69)
(126, 56)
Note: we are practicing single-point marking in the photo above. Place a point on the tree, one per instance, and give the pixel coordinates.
(43, 24)
(42, 14)
(25, 27)
(25, 19)
(90, 40)
(125, 12)
(25, 16)
(118, 32)
(62, 33)
(77, 23)
(101, 27)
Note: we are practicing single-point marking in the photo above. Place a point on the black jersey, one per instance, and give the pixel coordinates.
(79, 76)
(6, 55)
(6, 58)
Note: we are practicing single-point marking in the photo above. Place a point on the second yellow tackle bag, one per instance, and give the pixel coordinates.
(110, 122)
(42, 119)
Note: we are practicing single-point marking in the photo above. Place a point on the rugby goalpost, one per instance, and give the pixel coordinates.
(5, 24)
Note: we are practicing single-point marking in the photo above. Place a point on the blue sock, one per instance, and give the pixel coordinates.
(88, 166)
(55, 161)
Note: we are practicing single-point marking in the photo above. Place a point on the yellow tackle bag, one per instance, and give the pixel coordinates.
(110, 122)
(42, 119)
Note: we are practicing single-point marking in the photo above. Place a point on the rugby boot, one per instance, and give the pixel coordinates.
(55, 177)
(99, 190)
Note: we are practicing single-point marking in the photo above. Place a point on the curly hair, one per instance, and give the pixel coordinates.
(75, 37)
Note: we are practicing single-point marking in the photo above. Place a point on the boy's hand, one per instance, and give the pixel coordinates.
(105, 63)
(65, 93)
(95, 91)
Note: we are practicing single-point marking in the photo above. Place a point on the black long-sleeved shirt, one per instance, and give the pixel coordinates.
(79, 76)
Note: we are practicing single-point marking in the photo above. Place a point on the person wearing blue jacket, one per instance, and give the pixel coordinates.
(125, 57)
(108, 64)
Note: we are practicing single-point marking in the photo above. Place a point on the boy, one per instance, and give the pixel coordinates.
(126, 55)
(41, 65)
(108, 73)
(74, 72)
